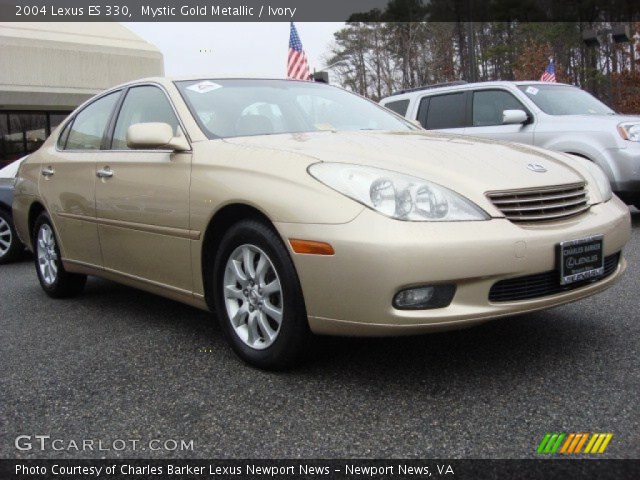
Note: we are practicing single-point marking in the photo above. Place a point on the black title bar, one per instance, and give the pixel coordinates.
(328, 469)
(318, 10)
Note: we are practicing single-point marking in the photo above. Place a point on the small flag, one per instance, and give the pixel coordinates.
(297, 66)
(549, 74)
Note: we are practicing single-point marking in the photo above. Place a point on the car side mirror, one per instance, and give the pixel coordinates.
(156, 136)
(513, 117)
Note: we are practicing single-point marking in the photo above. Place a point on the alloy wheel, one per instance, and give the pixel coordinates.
(5, 237)
(47, 256)
(253, 296)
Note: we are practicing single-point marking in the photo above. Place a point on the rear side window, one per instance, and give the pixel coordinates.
(446, 111)
(488, 106)
(142, 105)
(89, 125)
(399, 106)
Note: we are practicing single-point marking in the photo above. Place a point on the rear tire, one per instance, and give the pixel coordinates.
(10, 246)
(258, 298)
(54, 279)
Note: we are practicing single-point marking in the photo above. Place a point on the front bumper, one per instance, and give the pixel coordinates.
(351, 292)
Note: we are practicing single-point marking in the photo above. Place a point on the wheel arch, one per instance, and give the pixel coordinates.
(35, 209)
(581, 155)
(6, 208)
(218, 225)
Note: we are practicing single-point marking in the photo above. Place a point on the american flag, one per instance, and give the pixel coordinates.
(549, 74)
(297, 66)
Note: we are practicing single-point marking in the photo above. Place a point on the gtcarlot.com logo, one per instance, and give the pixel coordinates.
(45, 442)
(574, 443)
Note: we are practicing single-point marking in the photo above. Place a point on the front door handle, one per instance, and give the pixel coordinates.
(48, 172)
(105, 172)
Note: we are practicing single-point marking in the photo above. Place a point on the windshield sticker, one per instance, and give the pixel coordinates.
(325, 127)
(204, 87)
(532, 90)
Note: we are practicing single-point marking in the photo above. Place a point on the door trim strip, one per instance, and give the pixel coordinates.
(142, 227)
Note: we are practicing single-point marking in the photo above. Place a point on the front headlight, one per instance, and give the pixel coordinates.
(396, 195)
(602, 182)
(629, 131)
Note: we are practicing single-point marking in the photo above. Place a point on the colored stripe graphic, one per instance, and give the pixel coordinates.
(598, 443)
(543, 443)
(567, 443)
(550, 443)
(572, 443)
(581, 443)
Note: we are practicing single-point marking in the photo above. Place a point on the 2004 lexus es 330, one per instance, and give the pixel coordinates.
(291, 207)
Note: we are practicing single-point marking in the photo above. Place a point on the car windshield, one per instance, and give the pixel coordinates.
(564, 100)
(244, 107)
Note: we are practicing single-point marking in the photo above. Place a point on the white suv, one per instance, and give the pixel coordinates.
(554, 116)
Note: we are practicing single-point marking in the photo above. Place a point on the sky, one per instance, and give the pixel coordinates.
(234, 48)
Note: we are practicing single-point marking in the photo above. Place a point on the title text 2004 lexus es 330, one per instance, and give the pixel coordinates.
(291, 207)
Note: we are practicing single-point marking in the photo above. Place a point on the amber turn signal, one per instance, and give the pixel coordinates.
(311, 247)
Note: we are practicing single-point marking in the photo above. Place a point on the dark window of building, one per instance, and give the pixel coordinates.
(488, 106)
(33, 127)
(89, 125)
(12, 144)
(56, 119)
(399, 106)
(446, 111)
(142, 105)
(23, 132)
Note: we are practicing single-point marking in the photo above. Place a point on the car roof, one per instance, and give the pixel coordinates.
(465, 86)
(169, 80)
(205, 77)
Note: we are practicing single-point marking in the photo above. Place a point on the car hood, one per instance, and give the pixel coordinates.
(465, 164)
(591, 123)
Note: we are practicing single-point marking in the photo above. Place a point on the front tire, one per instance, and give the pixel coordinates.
(10, 246)
(258, 298)
(54, 279)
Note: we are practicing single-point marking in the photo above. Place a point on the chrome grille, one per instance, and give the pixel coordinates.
(540, 204)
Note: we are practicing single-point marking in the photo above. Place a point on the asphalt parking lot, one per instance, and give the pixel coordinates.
(117, 363)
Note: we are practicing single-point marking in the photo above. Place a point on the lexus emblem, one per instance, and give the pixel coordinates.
(536, 167)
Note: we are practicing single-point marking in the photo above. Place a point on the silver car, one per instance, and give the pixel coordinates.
(553, 116)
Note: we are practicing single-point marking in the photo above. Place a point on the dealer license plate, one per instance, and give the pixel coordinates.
(581, 259)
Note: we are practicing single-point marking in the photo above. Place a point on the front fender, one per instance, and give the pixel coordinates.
(591, 151)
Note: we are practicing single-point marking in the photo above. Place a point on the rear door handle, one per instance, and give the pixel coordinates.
(105, 172)
(48, 172)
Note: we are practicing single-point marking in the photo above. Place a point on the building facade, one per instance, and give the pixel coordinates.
(48, 69)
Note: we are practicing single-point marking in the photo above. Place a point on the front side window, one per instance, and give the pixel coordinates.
(488, 106)
(446, 111)
(89, 125)
(564, 100)
(143, 104)
(399, 106)
(244, 107)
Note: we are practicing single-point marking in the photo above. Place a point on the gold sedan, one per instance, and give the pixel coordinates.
(291, 207)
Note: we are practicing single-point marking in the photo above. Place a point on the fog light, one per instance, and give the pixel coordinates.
(424, 297)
